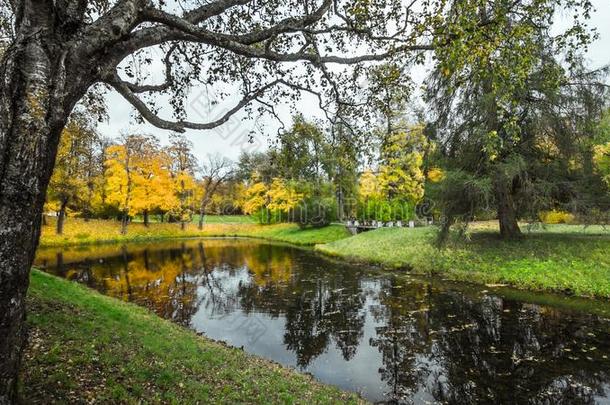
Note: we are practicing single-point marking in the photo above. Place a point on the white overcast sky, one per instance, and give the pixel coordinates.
(230, 139)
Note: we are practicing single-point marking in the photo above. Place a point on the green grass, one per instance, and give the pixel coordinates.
(560, 258)
(86, 346)
(80, 232)
(225, 219)
(209, 219)
(309, 236)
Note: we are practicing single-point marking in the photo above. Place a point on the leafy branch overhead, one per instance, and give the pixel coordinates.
(270, 50)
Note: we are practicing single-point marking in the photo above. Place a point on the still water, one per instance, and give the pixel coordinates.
(389, 336)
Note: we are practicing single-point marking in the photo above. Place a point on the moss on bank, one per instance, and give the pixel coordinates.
(84, 346)
(561, 258)
(81, 232)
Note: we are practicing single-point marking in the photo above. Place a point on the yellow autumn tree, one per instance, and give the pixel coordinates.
(153, 185)
(72, 174)
(255, 198)
(128, 167)
(601, 158)
(271, 202)
(401, 174)
(368, 185)
(283, 196)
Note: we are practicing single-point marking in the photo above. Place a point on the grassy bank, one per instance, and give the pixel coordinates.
(86, 346)
(209, 219)
(564, 258)
(560, 258)
(80, 232)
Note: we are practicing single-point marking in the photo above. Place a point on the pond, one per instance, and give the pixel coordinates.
(387, 335)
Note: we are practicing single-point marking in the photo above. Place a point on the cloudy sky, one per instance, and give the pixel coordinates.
(233, 137)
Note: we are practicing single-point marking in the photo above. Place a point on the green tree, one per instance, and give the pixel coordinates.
(342, 160)
(216, 171)
(391, 88)
(401, 173)
(75, 167)
(300, 154)
(486, 89)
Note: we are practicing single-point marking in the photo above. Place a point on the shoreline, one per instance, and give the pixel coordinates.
(574, 268)
(561, 259)
(99, 232)
(99, 347)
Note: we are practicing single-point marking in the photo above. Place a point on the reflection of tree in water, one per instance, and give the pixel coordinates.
(464, 349)
(162, 280)
(183, 301)
(320, 307)
(218, 300)
(404, 336)
(438, 344)
(535, 352)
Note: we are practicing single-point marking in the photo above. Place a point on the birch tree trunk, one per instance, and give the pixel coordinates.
(33, 112)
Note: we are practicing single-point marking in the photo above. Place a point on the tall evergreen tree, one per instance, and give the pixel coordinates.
(487, 90)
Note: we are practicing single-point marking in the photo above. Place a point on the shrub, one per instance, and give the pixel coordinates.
(314, 212)
(556, 217)
(266, 216)
(385, 210)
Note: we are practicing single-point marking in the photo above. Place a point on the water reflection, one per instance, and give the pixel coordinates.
(389, 336)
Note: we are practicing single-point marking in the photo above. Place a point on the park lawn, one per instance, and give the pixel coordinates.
(80, 232)
(225, 219)
(559, 258)
(209, 219)
(85, 346)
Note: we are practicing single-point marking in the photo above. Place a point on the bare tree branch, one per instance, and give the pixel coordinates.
(212, 9)
(169, 79)
(243, 44)
(123, 88)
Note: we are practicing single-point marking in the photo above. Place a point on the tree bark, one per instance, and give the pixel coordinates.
(124, 220)
(145, 215)
(34, 107)
(340, 204)
(507, 214)
(201, 216)
(61, 216)
(202, 210)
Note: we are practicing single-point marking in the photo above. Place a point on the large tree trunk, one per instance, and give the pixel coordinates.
(33, 112)
(507, 214)
(202, 211)
(502, 183)
(145, 216)
(124, 222)
(340, 204)
(201, 219)
(61, 216)
(28, 144)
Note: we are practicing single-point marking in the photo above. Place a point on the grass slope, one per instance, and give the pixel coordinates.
(556, 259)
(80, 232)
(84, 346)
(209, 219)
